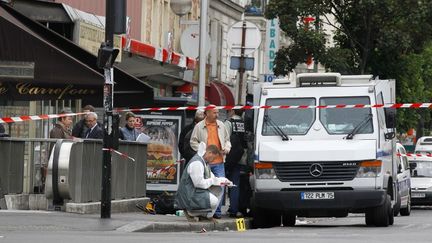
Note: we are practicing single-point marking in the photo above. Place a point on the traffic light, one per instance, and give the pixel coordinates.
(106, 56)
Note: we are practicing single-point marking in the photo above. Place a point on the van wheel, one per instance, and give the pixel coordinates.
(369, 217)
(288, 219)
(397, 206)
(383, 215)
(407, 211)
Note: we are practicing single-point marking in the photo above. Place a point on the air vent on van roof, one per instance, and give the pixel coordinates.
(318, 79)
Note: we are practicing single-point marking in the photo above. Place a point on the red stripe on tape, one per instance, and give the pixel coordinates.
(397, 106)
(191, 108)
(7, 119)
(416, 105)
(25, 118)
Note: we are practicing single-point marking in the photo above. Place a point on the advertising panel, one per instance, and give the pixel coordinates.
(162, 151)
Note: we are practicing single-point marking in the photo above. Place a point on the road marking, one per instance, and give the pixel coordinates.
(425, 226)
(408, 226)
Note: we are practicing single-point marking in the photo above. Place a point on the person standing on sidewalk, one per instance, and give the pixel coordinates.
(61, 129)
(200, 191)
(235, 158)
(184, 141)
(129, 132)
(94, 131)
(80, 128)
(213, 132)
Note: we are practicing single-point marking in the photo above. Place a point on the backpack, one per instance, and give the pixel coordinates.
(238, 142)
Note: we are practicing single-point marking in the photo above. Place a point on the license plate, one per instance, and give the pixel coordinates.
(418, 195)
(316, 195)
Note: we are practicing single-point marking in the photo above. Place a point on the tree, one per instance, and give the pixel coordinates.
(415, 80)
(370, 35)
(386, 38)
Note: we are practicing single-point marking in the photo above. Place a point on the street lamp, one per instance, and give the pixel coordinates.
(181, 7)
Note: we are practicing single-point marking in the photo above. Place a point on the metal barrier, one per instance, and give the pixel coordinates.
(23, 170)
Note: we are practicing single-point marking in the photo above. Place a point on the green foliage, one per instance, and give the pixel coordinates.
(387, 38)
(413, 84)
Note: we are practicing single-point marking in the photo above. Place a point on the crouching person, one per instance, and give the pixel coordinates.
(200, 192)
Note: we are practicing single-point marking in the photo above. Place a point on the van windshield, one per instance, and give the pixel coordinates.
(343, 121)
(421, 169)
(290, 121)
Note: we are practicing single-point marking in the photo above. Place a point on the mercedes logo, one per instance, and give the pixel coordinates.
(316, 170)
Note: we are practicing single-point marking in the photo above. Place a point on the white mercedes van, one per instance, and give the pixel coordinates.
(312, 160)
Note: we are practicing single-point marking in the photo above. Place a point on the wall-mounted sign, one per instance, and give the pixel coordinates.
(31, 91)
(272, 44)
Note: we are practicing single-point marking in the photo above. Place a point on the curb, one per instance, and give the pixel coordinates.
(159, 227)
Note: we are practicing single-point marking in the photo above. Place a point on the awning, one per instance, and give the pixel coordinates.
(219, 94)
(154, 63)
(62, 70)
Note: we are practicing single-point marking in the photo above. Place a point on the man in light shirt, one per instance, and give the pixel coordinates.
(200, 192)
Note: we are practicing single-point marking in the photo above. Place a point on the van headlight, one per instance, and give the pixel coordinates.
(369, 169)
(264, 170)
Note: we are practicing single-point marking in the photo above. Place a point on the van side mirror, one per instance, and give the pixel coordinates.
(412, 165)
(389, 135)
(390, 117)
(399, 169)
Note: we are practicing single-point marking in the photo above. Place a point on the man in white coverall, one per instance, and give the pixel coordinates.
(200, 192)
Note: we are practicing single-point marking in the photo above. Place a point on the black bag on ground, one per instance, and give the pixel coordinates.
(238, 142)
(164, 203)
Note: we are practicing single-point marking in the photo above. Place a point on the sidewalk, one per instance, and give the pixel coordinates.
(15, 220)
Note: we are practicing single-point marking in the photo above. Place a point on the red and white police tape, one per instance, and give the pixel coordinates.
(415, 155)
(119, 153)
(37, 117)
(248, 107)
(211, 107)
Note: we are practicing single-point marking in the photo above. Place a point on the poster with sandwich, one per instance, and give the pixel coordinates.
(162, 151)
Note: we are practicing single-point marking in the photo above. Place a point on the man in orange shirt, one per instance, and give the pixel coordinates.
(213, 132)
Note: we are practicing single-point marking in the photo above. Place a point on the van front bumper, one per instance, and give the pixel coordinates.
(352, 200)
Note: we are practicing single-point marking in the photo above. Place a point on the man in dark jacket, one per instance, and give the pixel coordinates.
(61, 129)
(94, 131)
(184, 140)
(80, 128)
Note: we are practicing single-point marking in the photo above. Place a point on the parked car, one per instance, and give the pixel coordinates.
(421, 180)
(424, 145)
(403, 202)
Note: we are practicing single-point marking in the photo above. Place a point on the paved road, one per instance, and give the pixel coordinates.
(35, 228)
